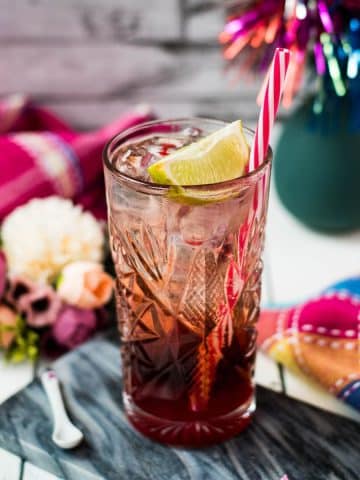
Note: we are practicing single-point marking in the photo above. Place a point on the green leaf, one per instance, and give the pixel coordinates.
(32, 352)
(15, 355)
(25, 345)
(58, 281)
(32, 337)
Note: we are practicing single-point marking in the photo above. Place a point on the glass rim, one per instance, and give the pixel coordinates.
(156, 188)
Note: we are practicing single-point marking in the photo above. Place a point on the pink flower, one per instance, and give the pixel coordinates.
(18, 286)
(40, 306)
(7, 323)
(73, 326)
(85, 285)
(3, 269)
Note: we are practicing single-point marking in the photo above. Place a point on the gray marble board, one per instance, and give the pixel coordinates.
(286, 436)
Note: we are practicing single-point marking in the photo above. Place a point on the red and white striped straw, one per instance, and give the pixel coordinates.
(273, 91)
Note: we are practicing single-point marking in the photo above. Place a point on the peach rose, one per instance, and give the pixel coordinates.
(7, 320)
(85, 285)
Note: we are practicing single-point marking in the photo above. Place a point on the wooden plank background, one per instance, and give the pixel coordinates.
(90, 60)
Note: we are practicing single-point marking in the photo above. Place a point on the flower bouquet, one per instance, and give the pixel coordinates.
(53, 284)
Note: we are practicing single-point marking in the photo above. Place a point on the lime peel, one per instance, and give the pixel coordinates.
(219, 157)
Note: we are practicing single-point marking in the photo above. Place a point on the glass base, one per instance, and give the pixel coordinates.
(189, 434)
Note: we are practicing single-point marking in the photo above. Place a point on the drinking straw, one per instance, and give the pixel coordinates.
(270, 104)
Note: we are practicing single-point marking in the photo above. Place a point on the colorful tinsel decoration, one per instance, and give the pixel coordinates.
(323, 33)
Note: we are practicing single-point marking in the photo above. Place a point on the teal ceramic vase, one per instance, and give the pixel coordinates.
(317, 169)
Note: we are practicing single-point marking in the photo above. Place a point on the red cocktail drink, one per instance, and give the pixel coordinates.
(188, 288)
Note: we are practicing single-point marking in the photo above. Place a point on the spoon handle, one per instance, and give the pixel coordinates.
(51, 386)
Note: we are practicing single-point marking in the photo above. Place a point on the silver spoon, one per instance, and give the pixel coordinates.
(65, 435)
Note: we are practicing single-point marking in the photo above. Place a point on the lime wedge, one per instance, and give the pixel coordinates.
(216, 158)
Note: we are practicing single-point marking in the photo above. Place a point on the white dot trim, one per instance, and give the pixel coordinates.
(307, 327)
(350, 333)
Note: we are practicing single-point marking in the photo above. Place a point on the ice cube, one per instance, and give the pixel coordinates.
(192, 132)
(135, 157)
(204, 224)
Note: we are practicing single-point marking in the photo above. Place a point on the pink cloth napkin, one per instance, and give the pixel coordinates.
(40, 155)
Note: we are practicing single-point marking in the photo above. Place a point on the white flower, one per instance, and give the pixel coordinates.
(44, 235)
